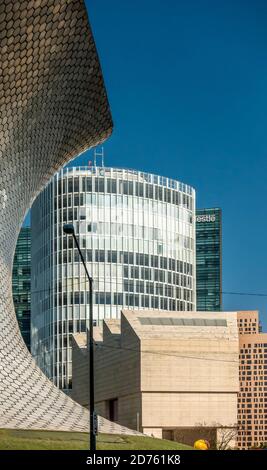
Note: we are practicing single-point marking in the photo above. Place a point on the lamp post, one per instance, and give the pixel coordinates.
(69, 230)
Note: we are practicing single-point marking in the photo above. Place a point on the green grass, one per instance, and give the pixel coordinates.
(11, 439)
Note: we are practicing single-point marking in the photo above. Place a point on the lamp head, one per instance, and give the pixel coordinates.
(68, 229)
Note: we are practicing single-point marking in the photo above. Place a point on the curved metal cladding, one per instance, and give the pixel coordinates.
(53, 106)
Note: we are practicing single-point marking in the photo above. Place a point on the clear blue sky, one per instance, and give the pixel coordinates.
(186, 82)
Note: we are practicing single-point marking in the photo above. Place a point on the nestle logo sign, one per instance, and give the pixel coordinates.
(206, 218)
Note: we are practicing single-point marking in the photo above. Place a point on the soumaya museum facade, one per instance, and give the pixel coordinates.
(137, 234)
(53, 106)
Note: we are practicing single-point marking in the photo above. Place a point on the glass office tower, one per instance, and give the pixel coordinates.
(21, 284)
(209, 259)
(137, 235)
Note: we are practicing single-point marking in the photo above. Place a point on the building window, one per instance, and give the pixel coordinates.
(112, 409)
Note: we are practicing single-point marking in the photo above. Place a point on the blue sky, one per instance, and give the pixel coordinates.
(186, 82)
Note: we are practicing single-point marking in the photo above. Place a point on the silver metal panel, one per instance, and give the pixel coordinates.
(53, 106)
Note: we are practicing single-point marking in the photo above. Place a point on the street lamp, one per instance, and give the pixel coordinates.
(69, 230)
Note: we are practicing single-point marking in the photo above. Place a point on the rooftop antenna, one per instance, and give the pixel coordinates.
(99, 153)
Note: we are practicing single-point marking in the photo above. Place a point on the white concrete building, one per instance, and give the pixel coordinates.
(168, 374)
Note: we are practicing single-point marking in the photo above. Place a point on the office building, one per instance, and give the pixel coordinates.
(21, 284)
(252, 400)
(169, 374)
(137, 234)
(209, 259)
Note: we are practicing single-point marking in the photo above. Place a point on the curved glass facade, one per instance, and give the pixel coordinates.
(137, 234)
(21, 284)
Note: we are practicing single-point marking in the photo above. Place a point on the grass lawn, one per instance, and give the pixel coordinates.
(11, 439)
